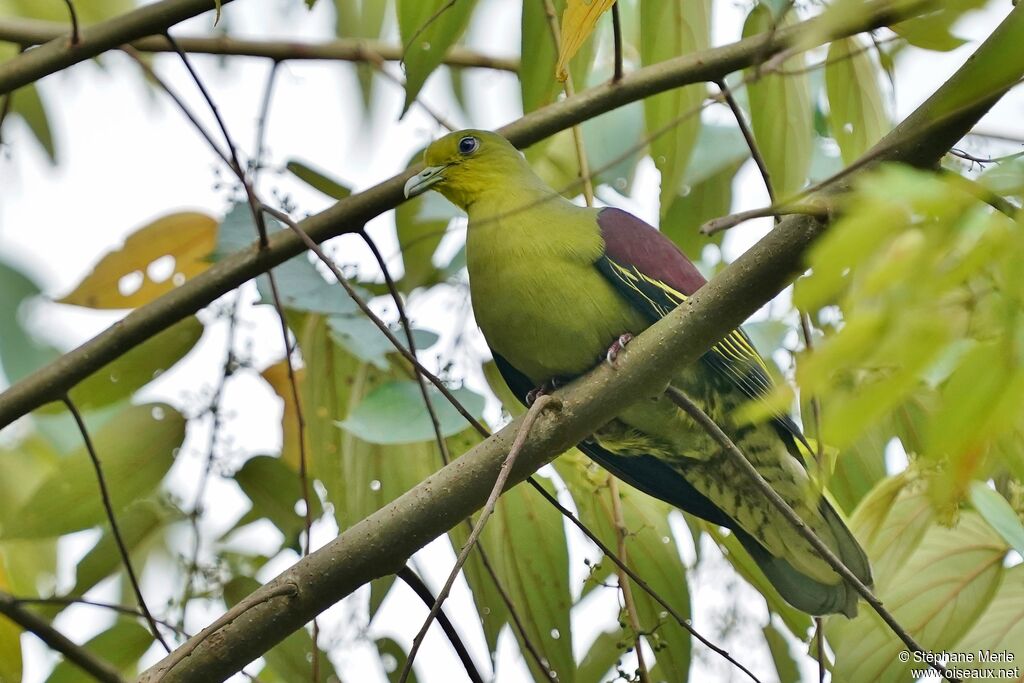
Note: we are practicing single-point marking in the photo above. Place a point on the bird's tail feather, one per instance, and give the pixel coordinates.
(805, 593)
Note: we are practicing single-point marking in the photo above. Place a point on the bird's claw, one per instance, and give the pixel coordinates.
(543, 390)
(616, 348)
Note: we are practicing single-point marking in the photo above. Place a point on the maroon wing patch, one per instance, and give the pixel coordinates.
(632, 243)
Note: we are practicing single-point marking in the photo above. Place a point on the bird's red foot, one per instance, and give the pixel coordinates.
(543, 390)
(616, 348)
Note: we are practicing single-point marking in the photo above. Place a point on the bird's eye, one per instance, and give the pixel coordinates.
(468, 145)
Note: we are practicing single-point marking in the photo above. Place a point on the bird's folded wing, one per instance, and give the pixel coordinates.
(650, 271)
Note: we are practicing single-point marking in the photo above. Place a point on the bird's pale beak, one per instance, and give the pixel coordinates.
(424, 180)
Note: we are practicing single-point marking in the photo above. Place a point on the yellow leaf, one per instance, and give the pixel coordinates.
(276, 376)
(154, 259)
(578, 23)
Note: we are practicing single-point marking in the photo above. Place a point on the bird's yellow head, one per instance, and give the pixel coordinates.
(466, 164)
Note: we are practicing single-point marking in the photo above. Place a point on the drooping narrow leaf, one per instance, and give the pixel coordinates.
(538, 56)
(672, 28)
(20, 351)
(121, 646)
(362, 19)
(137, 367)
(604, 652)
(578, 21)
(138, 523)
(781, 114)
(651, 552)
(317, 179)
(153, 260)
(538, 580)
(27, 104)
(999, 515)
(782, 655)
(856, 105)
(10, 639)
(428, 28)
(136, 449)
(275, 491)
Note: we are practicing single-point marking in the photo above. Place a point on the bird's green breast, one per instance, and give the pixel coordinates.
(537, 295)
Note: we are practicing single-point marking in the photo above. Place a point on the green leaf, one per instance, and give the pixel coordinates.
(317, 179)
(121, 646)
(289, 659)
(890, 523)
(932, 29)
(394, 413)
(138, 524)
(782, 656)
(781, 114)
(860, 466)
(608, 140)
(696, 205)
(651, 552)
(301, 287)
(364, 19)
(275, 491)
(10, 639)
(1001, 627)
(538, 580)
(136, 449)
(672, 28)
(937, 595)
(136, 368)
(428, 28)
(998, 513)
(538, 57)
(20, 351)
(857, 113)
(27, 104)
(393, 658)
(604, 652)
(237, 231)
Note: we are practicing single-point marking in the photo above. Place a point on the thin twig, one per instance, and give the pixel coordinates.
(75, 38)
(413, 581)
(617, 41)
(254, 203)
(638, 580)
(442, 444)
(819, 632)
(113, 607)
(499, 486)
(261, 122)
(33, 32)
(114, 529)
(214, 410)
(819, 444)
(748, 135)
(57, 641)
(570, 90)
(517, 622)
(621, 533)
(739, 460)
(716, 225)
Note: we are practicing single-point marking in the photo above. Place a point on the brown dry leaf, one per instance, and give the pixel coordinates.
(578, 23)
(138, 272)
(276, 376)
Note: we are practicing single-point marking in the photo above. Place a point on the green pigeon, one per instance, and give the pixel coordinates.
(557, 287)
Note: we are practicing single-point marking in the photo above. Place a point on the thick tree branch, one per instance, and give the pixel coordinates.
(349, 215)
(60, 53)
(359, 554)
(57, 641)
(34, 32)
